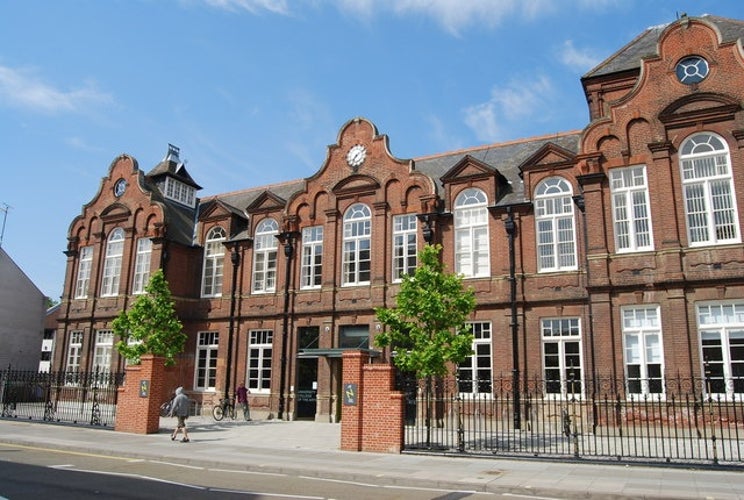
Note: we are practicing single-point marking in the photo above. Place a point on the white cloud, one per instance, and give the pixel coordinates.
(508, 106)
(22, 89)
(582, 60)
(253, 6)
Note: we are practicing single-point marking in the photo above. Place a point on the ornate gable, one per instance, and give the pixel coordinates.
(468, 169)
(266, 202)
(550, 156)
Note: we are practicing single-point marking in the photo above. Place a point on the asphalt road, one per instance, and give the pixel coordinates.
(32, 473)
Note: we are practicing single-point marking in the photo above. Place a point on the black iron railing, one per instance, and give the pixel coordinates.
(682, 422)
(84, 398)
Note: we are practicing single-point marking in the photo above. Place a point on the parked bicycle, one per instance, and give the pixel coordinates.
(226, 407)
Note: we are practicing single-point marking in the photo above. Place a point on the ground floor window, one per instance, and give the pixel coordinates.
(561, 341)
(474, 374)
(206, 361)
(259, 360)
(102, 353)
(74, 351)
(721, 328)
(643, 352)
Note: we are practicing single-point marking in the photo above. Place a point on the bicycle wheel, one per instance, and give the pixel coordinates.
(218, 413)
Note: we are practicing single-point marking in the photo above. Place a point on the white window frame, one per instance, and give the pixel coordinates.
(630, 209)
(142, 265)
(357, 244)
(708, 187)
(472, 243)
(214, 261)
(112, 263)
(85, 264)
(205, 366)
(555, 227)
(478, 366)
(312, 257)
(405, 245)
(103, 349)
(259, 369)
(178, 191)
(565, 334)
(74, 351)
(265, 245)
(643, 350)
(723, 321)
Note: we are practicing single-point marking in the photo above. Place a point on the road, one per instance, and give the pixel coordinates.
(33, 472)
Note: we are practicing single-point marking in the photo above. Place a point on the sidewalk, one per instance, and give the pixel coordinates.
(311, 449)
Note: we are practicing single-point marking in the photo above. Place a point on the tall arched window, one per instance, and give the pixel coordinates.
(264, 256)
(710, 204)
(471, 234)
(554, 216)
(357, 259)
(112, 263)
(214, 257)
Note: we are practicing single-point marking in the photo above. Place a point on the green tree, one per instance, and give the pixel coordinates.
(427, 329)
(150, 326)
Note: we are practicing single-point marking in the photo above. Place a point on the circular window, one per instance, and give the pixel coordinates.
(691, 70)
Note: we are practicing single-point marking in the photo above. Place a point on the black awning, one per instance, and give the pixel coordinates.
(336, 352)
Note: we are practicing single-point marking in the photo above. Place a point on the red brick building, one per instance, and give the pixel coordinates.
(614, 251)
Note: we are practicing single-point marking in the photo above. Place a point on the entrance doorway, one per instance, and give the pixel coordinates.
(307, 388)
(306, 393)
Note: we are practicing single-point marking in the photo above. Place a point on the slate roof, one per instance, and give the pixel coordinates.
(629, 57)
(504, 157)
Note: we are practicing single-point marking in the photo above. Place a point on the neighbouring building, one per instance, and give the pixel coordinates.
(22, 307)
(614, 251)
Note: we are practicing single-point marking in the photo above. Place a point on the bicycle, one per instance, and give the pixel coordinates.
(226, 406)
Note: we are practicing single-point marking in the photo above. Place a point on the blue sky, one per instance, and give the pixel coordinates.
(253, 91)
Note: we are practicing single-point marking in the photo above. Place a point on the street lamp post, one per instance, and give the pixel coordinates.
(286, 238)
(235, 259)
(511, 228)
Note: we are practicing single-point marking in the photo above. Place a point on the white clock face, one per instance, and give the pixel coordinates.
(120, 187)
(356, 155)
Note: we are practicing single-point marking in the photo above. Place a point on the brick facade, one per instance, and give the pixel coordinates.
(641, 116)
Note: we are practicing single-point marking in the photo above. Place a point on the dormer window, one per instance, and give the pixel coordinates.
(178, 191)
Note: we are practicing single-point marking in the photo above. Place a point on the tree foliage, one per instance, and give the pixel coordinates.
(427, 329)
(150, 326)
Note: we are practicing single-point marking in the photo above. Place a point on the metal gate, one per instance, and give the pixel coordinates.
(681, 424)
(83, 398)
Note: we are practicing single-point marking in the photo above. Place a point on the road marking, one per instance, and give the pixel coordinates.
(528, 496)
(196, 467)
(355, 483)
(65, 452)
(249, 472)
(140, 476)
(264, 494)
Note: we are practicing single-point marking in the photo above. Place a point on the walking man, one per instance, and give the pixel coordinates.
(241, 394)
(180, 410)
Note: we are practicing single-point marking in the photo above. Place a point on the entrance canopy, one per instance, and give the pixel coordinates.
(336, 352)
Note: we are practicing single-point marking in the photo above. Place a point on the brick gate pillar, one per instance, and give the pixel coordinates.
(372, 411)
(352, 390)
(139, 399)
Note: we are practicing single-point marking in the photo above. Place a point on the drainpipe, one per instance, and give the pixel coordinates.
(287, 238)
(511, 228)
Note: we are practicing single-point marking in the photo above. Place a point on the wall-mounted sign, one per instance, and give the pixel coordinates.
(350, 394)
(144, 388)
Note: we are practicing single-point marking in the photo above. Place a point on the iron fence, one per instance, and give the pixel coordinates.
(83, 398)
(680, 423)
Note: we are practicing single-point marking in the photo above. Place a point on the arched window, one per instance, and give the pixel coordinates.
(357, 259)
(142, 265)
(112, 263)
(554, 217)
(471, 234)
(264, 256)
(214, 257)
(708, 188)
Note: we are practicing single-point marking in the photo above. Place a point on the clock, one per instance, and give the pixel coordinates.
(356, 155)
(692, 70)
(120, 187)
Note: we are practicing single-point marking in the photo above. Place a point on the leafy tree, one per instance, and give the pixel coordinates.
(427, 328)
(150, 326)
